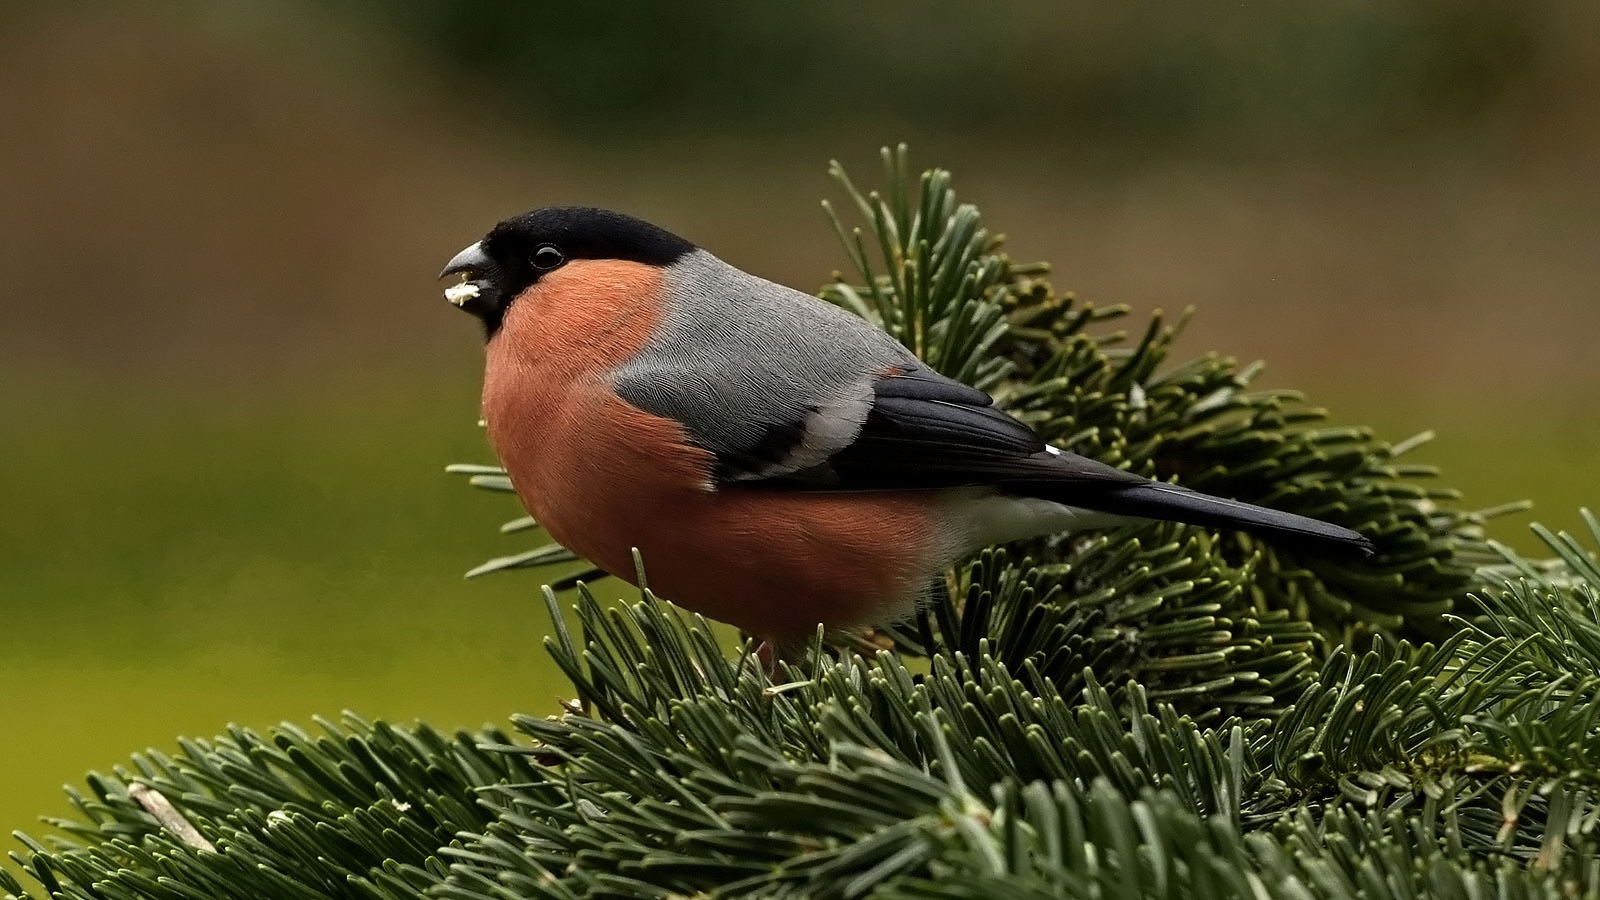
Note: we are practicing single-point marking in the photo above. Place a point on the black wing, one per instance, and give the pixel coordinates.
(926, 431)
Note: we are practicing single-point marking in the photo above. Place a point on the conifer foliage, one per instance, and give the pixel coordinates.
(1155, 712)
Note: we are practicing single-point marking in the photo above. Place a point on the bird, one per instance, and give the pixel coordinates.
(778, 462)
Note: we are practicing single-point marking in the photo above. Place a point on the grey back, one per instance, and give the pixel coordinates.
(769, 379)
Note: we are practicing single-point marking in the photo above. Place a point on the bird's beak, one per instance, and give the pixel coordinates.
(472, 264)
(471, 260)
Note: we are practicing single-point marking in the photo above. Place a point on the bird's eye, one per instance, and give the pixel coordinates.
(547, 257)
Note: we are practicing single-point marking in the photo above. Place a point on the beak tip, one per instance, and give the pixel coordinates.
(472, 259)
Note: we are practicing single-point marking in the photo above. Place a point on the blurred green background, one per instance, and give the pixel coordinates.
(228, 382)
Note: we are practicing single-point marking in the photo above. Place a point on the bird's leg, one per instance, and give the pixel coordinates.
(938, 605)
(773, 650)
(767, 653)
(925, 618)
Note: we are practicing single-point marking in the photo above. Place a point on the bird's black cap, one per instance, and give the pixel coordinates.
(518, 251)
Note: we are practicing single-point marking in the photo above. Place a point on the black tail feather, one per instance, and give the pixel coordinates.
(1168, 502)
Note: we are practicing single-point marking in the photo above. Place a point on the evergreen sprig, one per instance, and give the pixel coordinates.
(289, 814)
(1153, 713)
(933, 276)
(1400, 771)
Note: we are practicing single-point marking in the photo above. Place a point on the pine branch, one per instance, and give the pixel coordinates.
(932, 275)
(1399, 771)
(290, 814)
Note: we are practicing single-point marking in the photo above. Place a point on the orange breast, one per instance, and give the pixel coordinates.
(604, 477)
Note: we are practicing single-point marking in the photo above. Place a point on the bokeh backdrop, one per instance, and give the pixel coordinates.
(228, 384)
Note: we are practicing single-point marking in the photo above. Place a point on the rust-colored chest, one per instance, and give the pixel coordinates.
(578, 455)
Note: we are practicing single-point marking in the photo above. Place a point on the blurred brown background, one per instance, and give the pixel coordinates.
(228, 383)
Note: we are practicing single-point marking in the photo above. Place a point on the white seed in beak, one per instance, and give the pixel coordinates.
(459, 294)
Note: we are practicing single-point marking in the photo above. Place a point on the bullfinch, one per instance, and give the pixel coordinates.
(779, 462)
